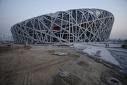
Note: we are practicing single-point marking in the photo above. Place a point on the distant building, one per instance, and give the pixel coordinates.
(77, 25)
(5, 36)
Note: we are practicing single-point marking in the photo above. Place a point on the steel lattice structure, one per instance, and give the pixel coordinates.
(77, 25)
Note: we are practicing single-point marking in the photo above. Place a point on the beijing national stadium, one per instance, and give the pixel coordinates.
(76, 25)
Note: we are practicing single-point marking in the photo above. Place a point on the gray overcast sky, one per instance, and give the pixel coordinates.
(14, 11)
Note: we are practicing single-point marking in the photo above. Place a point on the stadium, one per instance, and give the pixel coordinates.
(76, 25)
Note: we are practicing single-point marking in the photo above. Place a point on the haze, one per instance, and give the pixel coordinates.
(14, 11)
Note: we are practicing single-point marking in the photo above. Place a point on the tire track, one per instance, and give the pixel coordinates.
(25, 80)
(51, 64)
(28, 77)
(29, 67)
(39, 66)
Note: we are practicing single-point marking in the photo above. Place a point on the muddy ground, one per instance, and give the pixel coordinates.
(42, 65)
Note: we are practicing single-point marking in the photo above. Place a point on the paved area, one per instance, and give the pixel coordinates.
(121, 56)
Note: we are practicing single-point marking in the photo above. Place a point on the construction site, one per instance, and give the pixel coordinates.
(54, 65)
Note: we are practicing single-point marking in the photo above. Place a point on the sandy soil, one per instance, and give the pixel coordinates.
(40, 65)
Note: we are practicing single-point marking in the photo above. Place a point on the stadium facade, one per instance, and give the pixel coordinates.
(77, 25)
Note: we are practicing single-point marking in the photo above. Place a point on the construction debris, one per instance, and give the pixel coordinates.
(60, 53)
(66, 78)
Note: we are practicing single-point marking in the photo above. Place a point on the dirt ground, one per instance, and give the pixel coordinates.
(41, 65)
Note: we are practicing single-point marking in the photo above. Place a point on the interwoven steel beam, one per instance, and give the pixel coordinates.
(77, 25)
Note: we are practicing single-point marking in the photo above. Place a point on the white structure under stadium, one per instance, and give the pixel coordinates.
(77, 25)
